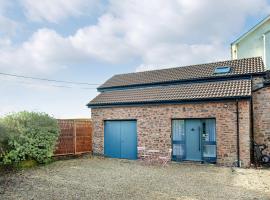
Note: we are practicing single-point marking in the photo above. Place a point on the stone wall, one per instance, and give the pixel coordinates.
(257, 82)
(154, 126)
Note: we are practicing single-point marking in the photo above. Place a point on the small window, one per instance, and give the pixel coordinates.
(222, 70)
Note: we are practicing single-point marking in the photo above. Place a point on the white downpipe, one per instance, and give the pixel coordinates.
(264, 49)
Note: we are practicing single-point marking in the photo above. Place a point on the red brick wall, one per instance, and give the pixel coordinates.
(154, 126)
(261, 113)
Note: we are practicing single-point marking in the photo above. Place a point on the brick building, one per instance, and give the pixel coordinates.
(208, 113)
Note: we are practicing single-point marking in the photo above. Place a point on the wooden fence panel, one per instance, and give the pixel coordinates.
(83, 138)
(75, 137)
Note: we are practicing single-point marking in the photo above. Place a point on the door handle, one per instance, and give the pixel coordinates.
(199, 138)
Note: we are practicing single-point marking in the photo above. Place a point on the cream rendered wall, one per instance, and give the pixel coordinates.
(256, 43)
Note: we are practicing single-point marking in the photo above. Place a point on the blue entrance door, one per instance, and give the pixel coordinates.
(193, 140)
(120, 139)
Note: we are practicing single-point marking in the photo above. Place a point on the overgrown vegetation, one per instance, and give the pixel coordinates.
(3, 140)
(26, 136)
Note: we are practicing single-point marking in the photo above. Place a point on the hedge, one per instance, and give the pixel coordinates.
(28, 136)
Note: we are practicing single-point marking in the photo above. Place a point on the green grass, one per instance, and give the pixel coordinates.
(26, 164)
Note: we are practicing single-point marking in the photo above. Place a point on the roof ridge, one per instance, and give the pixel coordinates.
(193, 65)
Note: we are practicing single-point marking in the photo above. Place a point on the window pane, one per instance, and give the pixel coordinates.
(178, 150)
(221, 70)
(210, 132)
(178, 130)
(209, 151)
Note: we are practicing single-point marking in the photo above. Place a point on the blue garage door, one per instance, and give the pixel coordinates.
(120, 139)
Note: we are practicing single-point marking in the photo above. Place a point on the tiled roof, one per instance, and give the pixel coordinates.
(181, 92)
(238, 67)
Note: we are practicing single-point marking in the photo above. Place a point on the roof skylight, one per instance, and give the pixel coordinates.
(222, 70)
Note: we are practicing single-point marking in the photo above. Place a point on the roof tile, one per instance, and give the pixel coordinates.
(238, 67)
(181, 92)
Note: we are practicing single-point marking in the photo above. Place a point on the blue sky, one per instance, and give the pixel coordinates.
(91, 40)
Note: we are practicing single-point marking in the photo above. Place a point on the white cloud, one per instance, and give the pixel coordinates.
(158, 33)
(5, 42)
(4, 5)
(47, 51)
(103, 41)
(8, 27)
(182, 32)
(167, 33)
(39, 53)
(56, 10)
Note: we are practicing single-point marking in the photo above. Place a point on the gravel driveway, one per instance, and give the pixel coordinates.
(99, 178)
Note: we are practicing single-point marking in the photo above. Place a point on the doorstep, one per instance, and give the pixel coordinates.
(190, 162)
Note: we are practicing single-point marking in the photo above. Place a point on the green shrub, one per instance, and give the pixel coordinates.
(29, 136)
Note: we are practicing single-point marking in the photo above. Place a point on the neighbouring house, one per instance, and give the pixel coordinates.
(208, 112)
(255, 42)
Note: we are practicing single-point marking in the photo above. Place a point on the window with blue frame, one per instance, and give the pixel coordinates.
(209, 140)
(178, 140)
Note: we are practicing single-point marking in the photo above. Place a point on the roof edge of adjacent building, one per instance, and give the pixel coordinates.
(250, 30)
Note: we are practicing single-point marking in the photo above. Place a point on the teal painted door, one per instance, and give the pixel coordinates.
(129, 140)
(193, 140)
(112, 136)
(120, 139)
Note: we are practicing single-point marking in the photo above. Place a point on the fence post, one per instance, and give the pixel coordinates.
(75, 136)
